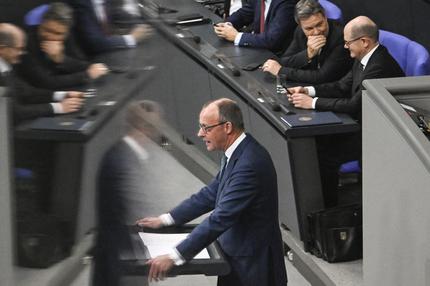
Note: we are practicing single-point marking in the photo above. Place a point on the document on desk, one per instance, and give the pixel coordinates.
(163, 243)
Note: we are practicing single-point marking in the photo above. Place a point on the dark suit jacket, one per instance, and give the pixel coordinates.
(331, 64)
(345, 95)
(244, 217)
(28, 102)
(116, 172)
(40, 71)
(89, 31)
(279, 25)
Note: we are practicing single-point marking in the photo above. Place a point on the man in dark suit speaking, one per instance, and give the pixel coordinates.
(244, 200)
(372, 60)
(271, 23)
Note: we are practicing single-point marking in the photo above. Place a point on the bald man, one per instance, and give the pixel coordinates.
(243, 198)
(372, 60)
(29, 102)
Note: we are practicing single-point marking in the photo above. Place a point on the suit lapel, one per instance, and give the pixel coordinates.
(231, 164)
(357, 76)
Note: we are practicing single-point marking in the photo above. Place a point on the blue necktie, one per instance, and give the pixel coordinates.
(223, 165)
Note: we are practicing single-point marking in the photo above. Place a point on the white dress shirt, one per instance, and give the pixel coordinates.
(235, 5)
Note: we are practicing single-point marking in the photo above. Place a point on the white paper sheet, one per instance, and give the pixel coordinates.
(163, 243)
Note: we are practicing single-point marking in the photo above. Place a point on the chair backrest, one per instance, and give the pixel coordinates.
(34, 16)
(331, 10)
(412, 57)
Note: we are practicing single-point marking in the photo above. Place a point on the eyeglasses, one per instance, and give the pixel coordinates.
(19, 49)
(207, 129)
(348, 43)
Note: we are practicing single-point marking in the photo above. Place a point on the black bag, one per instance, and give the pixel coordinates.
(336, 234)
(40, 241)
(41, 238)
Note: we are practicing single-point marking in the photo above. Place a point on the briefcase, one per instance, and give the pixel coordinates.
(336, 234)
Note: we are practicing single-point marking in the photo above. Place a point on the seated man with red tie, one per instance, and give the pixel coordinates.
(272, 25)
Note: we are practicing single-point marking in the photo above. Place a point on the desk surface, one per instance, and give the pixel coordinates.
(211, 51)
(216, 55)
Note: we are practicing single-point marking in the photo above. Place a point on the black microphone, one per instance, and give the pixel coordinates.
(271, 101)
(197, 39)
(285, 110)
(235, 71)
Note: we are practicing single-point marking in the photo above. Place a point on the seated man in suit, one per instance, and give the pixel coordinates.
(49, 62)
(29, 102)
(372, 60)
(272, 24)
(94, 29)
(316, 54)
(244, 200)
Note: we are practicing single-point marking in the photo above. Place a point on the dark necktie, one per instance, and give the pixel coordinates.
(223, 165)
(5, 78)
(263, 7)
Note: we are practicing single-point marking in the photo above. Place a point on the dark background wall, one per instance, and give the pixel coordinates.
(407, 17)
(410, 18)
(13, 11)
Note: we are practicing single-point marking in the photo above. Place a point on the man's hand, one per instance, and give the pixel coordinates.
(160, 265)
(272, 66)
(97, 70)
(226, 31)
(75, 94)
(300, 100)
(315, 43)
(141, 32)
(71, 104)
(150, 222)
(54, 50)
(297, 89)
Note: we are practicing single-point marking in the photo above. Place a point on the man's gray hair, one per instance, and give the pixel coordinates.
(145, 116)
(229, 111)
(307, 8)
(59, 12)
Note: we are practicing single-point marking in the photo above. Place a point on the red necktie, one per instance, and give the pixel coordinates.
(263, 7)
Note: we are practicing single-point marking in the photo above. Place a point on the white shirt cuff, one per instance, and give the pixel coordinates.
(311, 90)
(56, 106)
(314, 102)
(59, 95)
(129, 40)
(237, 39)
(176, 257)
(167, 219)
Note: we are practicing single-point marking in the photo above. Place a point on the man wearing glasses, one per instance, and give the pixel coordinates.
(243, 199)
(372, 60)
